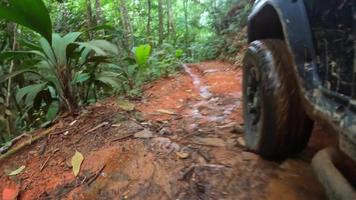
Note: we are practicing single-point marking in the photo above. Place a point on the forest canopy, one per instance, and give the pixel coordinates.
(58, 55)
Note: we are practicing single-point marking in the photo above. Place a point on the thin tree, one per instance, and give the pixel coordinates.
(90, 21)
(186, 13)
(149, 19)
(99, 13)
(160, 22)
(170, 21)
(13, 40)
(126, 24)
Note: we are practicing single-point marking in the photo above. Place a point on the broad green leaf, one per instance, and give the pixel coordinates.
(10, 55)
(92, 47)
(100, 47)
(30, 92)
(30, 13)
(105, 45)
(60, 45)
(30, 45)
(16, 73)
(126, 105)
(80, 77)
(142, 54)
(76, 162)
(108, 80)
(84, 56)
(47, 49)
(17, 171)
(52, 111)
(179, 53)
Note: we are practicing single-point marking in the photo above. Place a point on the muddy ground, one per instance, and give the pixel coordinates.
(183, 140)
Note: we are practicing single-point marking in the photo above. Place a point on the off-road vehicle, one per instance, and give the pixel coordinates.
(300, 67)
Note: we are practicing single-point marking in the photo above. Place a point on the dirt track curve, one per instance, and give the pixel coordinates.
(184, 140)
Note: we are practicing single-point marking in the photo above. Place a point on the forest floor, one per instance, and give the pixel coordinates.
(182, 140)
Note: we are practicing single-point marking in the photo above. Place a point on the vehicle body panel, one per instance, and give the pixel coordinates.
(326, 83)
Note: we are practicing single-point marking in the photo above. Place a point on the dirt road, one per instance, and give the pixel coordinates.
(183, 140)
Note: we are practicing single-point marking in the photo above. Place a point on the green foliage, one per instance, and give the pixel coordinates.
(142, 54)
(54, 65)
(30, 13)
(99, 54)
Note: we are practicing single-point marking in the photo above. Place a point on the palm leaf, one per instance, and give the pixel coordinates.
(30, 13)
(110, 79)
(30, 92)
(60, 45)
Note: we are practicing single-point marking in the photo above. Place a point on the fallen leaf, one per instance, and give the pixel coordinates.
(144, 134)
(76, 162)
(126, 105)
(17, 171)
(164, 111)
(183, 155)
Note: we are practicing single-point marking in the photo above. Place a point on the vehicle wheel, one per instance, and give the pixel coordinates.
(276, 125)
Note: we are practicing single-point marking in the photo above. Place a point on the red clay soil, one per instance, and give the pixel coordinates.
(190, 146)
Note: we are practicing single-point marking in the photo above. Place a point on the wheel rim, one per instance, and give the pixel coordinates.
(253, 98)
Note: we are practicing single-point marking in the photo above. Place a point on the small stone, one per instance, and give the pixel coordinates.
(238, 129)
(183, 155)
(165, 131)
(145, 134)
(241, 141)
(227, 126)
(247, 156)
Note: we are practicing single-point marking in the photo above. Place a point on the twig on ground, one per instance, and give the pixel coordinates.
(5, 148)
(21, 146)
(45, 163)
(91, 180)
(49, 157)
(97, 127)
(187, 172)
(192, 167)
(123, 137)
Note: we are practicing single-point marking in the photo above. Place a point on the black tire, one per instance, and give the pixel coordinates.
(276, 125)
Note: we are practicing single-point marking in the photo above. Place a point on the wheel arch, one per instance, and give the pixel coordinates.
(266, 24)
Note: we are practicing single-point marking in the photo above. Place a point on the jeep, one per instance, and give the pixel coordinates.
(300, 67)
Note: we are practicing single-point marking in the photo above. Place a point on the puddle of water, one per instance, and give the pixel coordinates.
(210, 71)
(208, 101)
(203, 90)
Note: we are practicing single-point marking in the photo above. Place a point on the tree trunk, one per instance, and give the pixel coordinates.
(160, 22)
(90, 21)
(170, 26)
(186, 35)
(99, 13)
(126, 24)
(9, 122)
(149, 19)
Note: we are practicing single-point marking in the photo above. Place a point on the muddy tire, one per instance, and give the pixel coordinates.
(276, 125)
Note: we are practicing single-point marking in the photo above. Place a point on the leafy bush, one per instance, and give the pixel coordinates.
(59, 67)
